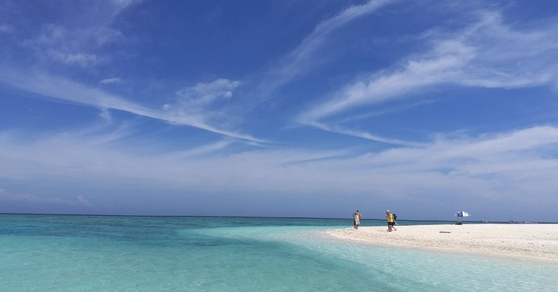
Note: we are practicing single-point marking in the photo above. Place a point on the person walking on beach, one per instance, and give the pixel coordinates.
(390, 221)
(356, 219)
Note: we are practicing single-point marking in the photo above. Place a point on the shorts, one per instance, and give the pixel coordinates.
(391, 223)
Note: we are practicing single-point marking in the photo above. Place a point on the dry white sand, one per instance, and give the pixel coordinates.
(528, 241)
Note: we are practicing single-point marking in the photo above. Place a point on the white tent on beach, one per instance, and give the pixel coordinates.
(462, 214)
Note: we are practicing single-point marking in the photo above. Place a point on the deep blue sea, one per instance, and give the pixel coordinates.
(125, 253)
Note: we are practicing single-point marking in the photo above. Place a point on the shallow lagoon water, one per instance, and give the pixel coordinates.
(118, 253)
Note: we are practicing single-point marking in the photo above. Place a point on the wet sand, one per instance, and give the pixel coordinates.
(527, 241)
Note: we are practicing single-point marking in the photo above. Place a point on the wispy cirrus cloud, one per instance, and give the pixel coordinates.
(203, 97)
(120, 5)
(303, 58)
(204, 102)
(69, 91)
(362, 134)
(114, 80)
(486, 152)
(75, 41)
(378, 88)
(72, 46)
(484, 54)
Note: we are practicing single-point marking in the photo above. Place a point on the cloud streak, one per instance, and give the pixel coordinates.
(203, 100)
(303, 58)
(70, 91)
(363, 135)
(478, 56)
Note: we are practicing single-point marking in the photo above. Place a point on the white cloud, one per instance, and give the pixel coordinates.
(361, 134)
(302, 59)
(203, 94)
(120, 5)
(522, 146)
(206, 103)
(80, 59)
(70, 91)
(74, 46)
(324, 28)
(477, 56)
(380, 87)
(114, 80)
(78, 42)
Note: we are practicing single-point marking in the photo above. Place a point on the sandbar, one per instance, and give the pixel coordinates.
(525, 241)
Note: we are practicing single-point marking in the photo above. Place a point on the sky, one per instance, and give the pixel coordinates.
(280, 108)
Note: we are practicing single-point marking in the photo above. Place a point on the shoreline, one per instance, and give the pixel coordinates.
(534, 242)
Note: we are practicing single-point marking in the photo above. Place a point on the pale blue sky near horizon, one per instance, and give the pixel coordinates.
(280, 108)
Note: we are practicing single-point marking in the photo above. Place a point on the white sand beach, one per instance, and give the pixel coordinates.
(528, 241)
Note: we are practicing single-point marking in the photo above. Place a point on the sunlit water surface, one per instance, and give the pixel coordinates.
(117, 253)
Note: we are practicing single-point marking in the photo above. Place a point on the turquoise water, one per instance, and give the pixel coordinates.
(113, 253)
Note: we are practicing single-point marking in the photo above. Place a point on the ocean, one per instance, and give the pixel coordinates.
(128, 253)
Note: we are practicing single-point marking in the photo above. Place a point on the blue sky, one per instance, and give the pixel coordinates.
(280, 108)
